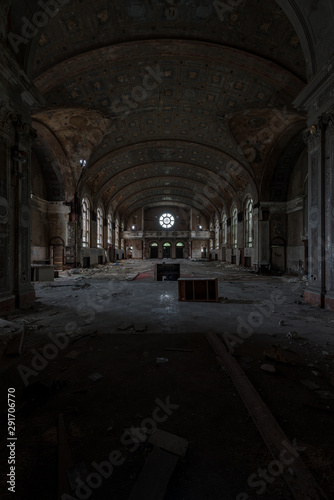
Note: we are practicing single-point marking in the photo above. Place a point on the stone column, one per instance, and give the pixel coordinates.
(256, 240)
(21, 192)
(7, 297)
(264, 239)
(315, 138)
(328, 123)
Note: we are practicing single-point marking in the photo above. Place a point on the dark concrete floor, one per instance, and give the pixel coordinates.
(225, 447)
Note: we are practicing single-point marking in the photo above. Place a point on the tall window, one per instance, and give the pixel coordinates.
(117, 234)
(109, 227)
(249, 223)
(217, 234)
(85, 222)
(99, 220)
(234, 228)
(224, 229)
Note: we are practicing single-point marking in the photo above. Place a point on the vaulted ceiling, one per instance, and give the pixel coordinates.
(167, 100)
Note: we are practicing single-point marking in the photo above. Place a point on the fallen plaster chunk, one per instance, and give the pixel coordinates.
(310, 385)
(95, 376)
(268, 368)
(325, 394)
(124, 326)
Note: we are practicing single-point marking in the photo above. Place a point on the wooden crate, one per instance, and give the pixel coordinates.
(198, 289)
(168, 272)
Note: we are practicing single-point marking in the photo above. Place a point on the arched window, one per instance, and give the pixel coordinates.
(234, 228)
(99, 222)
(85, 222)
(224, 229)
(249, 223)
(109, 229)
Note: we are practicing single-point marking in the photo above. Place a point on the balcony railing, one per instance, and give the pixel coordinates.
(130, 235)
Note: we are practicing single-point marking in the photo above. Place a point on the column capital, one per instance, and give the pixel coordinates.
(312, 136)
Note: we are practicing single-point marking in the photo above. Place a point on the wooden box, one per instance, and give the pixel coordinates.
(198, 289)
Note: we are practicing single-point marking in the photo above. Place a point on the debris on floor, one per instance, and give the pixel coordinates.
(310, 385)
(95, 376)
(276, 354)
(125, 326)
(169, 442)
(268, 368)
(294, 335)
(325, 394)
(177, 349)
(223, 300)
(162, 360)
(140, 327)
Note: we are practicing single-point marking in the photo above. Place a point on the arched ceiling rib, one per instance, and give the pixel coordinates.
(80, 25)
(164, 204)
(194, 189)
(144, 97)
(167, 171)
(178, 194)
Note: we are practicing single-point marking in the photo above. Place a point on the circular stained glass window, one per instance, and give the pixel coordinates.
(166, 221)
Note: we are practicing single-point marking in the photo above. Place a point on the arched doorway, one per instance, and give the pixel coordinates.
(166, 252)
(180, 250)
(154, 250)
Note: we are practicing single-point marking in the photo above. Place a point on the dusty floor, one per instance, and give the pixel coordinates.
(118, 322)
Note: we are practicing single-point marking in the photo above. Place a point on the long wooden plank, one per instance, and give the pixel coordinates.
(301, 482)
(65, 460)
(153, 479)
(169, 442)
